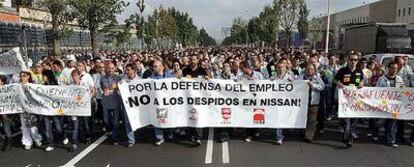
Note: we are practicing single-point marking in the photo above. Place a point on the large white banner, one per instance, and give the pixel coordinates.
(45, 100)
(12, 62)
(376, 102)
(172, 103)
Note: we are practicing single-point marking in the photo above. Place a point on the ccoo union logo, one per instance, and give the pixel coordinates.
(259, 116)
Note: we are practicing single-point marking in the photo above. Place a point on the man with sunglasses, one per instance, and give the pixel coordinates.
(349, 76)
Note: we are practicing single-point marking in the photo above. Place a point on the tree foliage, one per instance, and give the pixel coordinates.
(62, 14)
(94, 14)
(289, 16)
(303, 24)
(172, 24)
(262, 28)
(205, 39)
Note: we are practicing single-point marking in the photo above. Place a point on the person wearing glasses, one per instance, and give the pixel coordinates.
(391, 79)
(37, 74)
(349, 76)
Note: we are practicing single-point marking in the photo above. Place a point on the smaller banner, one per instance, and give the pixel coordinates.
(45, 100)
(12, 62)
(10, 101)
(376, 102)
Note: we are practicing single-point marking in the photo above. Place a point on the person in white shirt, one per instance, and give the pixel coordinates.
(67, 71)
(80, 77)
(281, 75)
(131, 75)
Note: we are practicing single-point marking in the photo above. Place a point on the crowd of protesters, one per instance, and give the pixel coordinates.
(102, 72)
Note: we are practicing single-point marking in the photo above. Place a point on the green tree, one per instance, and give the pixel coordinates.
(167, 26)
(187, 31)
(254, 29)
(61, 15)
(24, 3)
(262, 28)
(93, 14)
(239, 31)
(138, 21)
(205, 39)
(1, 3)
(269, 23)
(316, 30)
(289, 14)
(303, 24)
(118, 34)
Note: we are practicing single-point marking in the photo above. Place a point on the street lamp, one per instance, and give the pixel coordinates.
(141, 6)
(327, 27)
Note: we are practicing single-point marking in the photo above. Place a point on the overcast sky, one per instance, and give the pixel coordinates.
(213, 15)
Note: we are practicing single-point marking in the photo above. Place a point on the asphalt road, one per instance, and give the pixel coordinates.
(327, 150)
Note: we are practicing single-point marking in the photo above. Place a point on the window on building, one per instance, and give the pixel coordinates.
(409, 11)
(399, 12)
(404, 12)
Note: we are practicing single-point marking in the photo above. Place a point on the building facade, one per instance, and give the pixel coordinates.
(383, 11)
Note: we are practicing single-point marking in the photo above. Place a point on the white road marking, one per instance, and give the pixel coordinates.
(209, 151)
(86, 151)
(28, 165)
(225, 150)
(109, 165)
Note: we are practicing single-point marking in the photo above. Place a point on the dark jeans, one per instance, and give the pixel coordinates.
(196, 133)
(373, 126)
(325, 107)
(390, 131)
(348, 125)
(76, 126)
(224, 132)
(111, 119)
(390, 126)
(6, 121)
(400, 131)
(99, 110)
(130, 133)
(250, 132)
(57, 120)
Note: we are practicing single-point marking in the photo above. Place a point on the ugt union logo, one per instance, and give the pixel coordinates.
(259, 116)
(162, 115)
